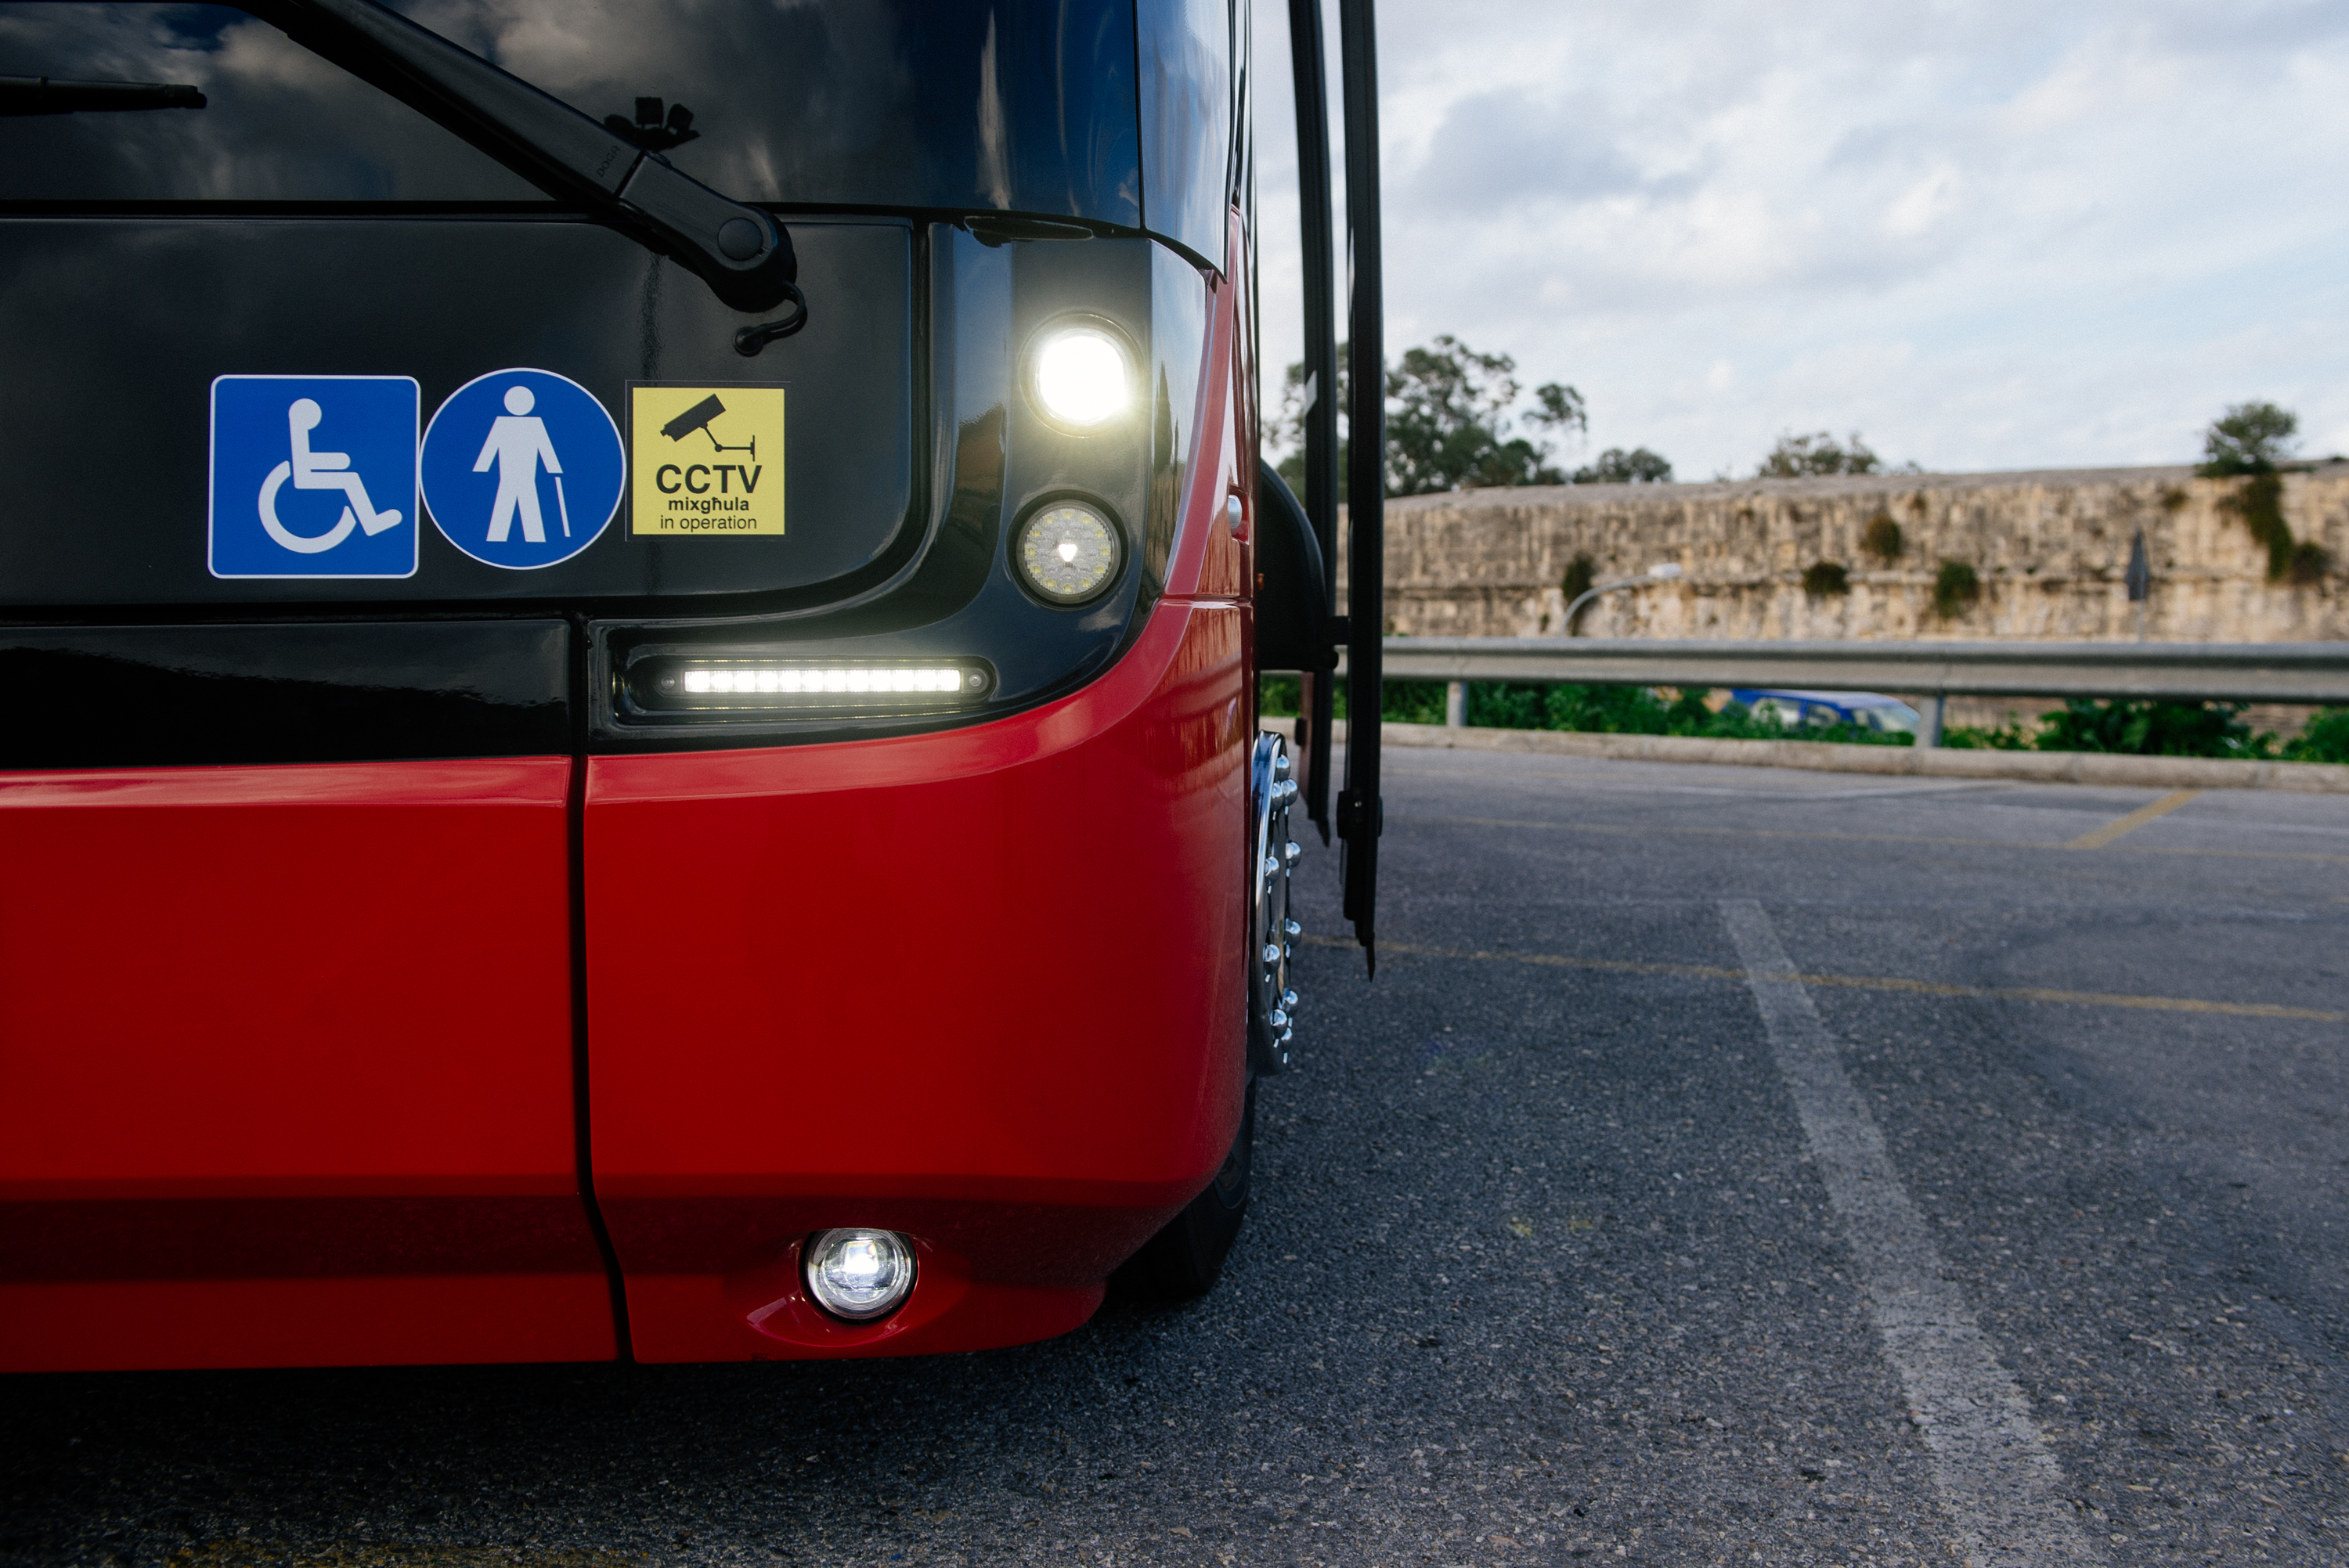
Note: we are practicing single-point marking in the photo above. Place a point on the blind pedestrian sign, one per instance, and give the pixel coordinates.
(312, 476)
(522, 469)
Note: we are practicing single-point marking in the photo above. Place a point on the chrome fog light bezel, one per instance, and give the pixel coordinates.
(828, 1292)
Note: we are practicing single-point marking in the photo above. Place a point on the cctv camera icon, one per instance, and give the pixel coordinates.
(697, 417)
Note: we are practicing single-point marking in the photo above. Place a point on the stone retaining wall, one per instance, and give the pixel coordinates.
(2050, 550)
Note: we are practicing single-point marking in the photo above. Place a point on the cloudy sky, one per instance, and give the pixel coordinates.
(2003, 234)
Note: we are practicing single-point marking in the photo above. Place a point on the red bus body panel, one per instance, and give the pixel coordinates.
(285, 1069)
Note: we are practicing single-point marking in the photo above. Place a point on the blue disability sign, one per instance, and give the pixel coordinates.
(314, 476)
(523, 469)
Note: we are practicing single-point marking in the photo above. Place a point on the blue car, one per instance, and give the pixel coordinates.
(1825, 709)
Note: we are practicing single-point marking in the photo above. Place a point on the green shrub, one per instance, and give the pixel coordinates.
(1497, 705)
(2008, 737)
(1733, 722)
(2152, 729)
(1956, 590)
(2325, 739)
(1276, 697)
(1411, 702)
(1851, 735)
(1605, 710)
(1825, 580)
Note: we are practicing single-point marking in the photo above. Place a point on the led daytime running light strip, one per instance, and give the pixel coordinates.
(800, 680)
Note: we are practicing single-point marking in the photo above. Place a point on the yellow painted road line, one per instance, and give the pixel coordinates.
(1642, 831)
(1866, 982)
(2098, 838)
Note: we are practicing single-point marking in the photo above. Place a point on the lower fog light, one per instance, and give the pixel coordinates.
(860, 1274)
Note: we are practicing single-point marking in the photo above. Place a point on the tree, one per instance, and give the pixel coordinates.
(1448, 421)
(1798, 457)
(2248, 438)
(1617, 467)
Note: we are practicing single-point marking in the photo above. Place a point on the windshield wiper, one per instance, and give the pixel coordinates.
(47, 95)
(742, 253)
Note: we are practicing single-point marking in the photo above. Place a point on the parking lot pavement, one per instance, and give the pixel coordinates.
(1726, 1166)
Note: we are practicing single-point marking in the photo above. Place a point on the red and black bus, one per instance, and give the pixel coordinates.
(636, 628)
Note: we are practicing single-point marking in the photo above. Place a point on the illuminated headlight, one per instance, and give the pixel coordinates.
(1067, 552)
(753, 683)
(1081, 377)
(860, 1274)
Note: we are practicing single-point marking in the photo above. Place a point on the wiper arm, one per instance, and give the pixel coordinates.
(743, 254)
(47, 95)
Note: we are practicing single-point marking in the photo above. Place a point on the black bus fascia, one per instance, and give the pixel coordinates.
(742, 253)
(998, 459)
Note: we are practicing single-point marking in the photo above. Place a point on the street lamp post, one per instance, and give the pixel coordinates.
(1663, 571)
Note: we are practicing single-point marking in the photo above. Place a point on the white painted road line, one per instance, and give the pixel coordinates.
(1992, 1465)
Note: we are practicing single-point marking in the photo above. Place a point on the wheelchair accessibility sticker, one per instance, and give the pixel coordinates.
(522, 469)
(314, 476)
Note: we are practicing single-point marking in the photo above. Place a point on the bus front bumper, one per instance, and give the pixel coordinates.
(981, 986)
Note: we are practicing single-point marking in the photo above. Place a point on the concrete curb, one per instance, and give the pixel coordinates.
(1900, 761)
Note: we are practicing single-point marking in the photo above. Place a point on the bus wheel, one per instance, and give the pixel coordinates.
(1184, 1258)
(1182, 1261)
(1272, 934)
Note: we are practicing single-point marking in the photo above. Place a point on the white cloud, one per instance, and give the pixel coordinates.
(1992, 235)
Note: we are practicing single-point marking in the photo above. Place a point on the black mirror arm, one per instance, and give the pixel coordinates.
(1361, 814)
(742, 253)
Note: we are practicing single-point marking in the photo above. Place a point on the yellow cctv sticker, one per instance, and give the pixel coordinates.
(706, 462)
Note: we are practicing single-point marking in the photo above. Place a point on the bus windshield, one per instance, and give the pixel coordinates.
(1025, 106)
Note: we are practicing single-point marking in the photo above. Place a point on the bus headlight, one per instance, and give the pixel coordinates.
(1067, 552)
(1081, 377)
(860, 1274)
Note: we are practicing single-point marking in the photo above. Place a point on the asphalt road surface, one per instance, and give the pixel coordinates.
(1726, 1166)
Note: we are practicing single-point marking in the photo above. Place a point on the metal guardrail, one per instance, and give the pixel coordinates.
(2179, 672)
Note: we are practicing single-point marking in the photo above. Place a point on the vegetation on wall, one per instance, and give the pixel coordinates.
(1581, 573)
(1825, 580)
(2247, 443)
(1956, 590)
(1881, 537)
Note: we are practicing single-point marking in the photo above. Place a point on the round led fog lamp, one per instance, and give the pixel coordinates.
(1067, 552)
(1081, 377)
(860, 1274)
